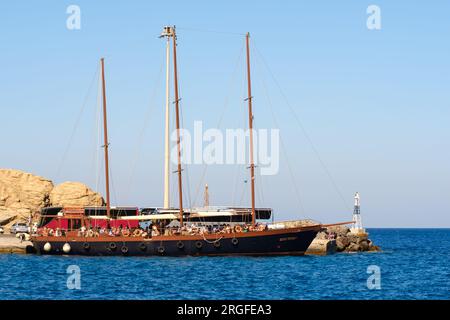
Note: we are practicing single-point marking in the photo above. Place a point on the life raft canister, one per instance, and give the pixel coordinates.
(66, 248)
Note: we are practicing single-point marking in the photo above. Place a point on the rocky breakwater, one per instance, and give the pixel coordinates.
(23, 194)
(346, 241)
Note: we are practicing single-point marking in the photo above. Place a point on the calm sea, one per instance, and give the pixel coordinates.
(414, 264)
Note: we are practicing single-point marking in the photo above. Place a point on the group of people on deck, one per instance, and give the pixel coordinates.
(222, 229)
(97, 232)
(112, 232)
(49, 232)
(153, 231)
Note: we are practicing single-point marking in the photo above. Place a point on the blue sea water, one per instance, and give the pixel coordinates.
(414, 264)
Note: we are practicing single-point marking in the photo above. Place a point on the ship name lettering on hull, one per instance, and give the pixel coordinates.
(288, 239)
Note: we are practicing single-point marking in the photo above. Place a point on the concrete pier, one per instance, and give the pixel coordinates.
(321, 247)
(10, 244)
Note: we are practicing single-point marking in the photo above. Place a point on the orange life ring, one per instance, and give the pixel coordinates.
(238, 228)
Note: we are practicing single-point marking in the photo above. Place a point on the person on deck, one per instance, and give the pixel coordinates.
(155, 231)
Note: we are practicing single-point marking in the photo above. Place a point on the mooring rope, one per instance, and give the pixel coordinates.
(211, 242)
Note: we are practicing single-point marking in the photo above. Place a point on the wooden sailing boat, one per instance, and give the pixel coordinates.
(250, 239)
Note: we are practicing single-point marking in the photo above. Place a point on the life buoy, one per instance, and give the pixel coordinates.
(112, 245)
(238, 228)
(86, 246)
(198, 244)
(217, 244)
(180, 245)
(235, 241)
(161, 249)
(124, 249)
(142, 246)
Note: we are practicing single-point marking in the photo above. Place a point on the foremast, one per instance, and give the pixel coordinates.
(250, 125)
(105, 137)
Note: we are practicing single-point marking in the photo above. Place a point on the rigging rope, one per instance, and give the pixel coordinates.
(283, 146)
(98, 142)
(211, 31)
(297, 119)
(186, 168)
(187, 185)
(75, 126)
(219, 123)
(240, 169)
(147, 117)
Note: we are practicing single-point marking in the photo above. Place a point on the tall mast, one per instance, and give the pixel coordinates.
(177, 120)
(250, 125)
(106, 143)
(167, 33)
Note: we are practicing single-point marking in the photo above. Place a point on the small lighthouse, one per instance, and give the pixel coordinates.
(357, 224)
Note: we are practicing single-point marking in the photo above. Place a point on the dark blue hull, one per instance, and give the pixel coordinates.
(274, 242)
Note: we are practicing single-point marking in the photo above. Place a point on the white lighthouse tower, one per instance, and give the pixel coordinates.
(357, 223)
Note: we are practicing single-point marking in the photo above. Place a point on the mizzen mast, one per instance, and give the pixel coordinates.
(250, 125)
(177, 120)
(106, 143)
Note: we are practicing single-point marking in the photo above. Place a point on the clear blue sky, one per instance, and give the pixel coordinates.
(375, 104)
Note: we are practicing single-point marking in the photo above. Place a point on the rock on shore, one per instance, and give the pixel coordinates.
(74, 194)
(23, 194)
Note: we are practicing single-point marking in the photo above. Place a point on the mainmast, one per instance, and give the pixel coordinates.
(250, 125)
(106, 143)
(177, 120)
(167, 33)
